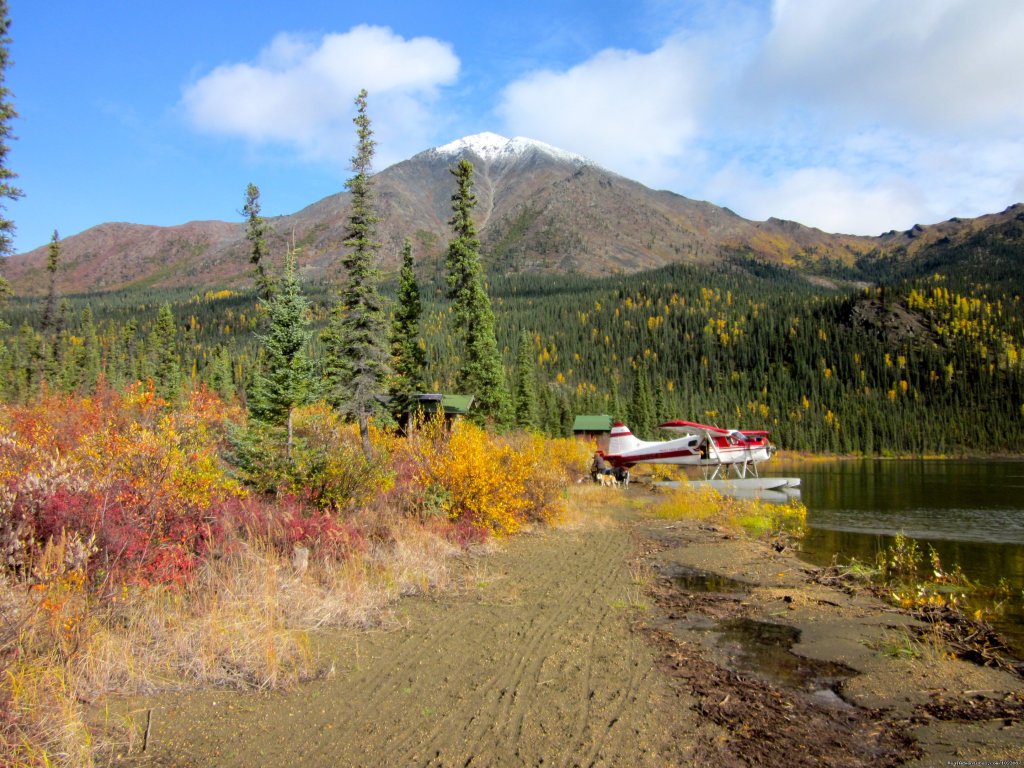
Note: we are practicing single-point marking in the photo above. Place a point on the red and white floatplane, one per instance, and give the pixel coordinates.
(718, 452)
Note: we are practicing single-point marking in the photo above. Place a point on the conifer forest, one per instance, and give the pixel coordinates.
(925, 363)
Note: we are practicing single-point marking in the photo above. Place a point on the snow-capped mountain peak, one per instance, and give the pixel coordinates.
(490, 147)
(486, 145)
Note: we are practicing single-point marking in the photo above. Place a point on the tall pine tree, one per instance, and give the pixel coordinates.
(50, 326)
(220, 375)
(7, 114)
(480, 373)
(356, 361)
(52, 265)
(524, 395)
(285, 379)
(408, 357)
(256, 234)
(659, 406)
(91, 359)
(615, 409)
(641, 407)
(164, 363)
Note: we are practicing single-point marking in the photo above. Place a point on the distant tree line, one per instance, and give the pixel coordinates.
(711, 345)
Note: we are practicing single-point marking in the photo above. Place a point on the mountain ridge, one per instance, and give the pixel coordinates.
(540, 209)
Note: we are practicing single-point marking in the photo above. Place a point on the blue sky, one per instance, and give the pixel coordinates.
(853, 116)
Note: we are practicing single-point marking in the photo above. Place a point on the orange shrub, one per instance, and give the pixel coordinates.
(497, 483)
(549, 466)
(483, 480)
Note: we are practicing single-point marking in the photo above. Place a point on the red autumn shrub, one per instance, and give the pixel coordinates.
(142, 484)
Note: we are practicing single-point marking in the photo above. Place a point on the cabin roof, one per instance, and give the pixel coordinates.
(457, 404)
(592, 423)
(452, 405)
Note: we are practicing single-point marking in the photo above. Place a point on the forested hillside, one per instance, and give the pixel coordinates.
(929, 365)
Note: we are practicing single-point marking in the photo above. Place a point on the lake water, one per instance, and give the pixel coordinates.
(971, 512)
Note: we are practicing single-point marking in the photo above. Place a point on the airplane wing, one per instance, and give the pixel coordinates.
(692, 428)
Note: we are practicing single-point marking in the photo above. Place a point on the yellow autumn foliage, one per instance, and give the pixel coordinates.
(501, 483)
(758, 518)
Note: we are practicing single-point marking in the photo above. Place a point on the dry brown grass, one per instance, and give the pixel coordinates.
(228, 628)
(46, 725)
(590, 504)
(245, 622)
(357, 593)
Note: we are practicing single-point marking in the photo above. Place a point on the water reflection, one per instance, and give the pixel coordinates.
(764, 649)
(971, 512)
(983, 562)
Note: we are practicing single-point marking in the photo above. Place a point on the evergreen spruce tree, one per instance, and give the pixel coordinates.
(524, 396)
(6, 359)
(49, 323)
(480, 373)
(69, 371)
(7, 190)
(22, 357)
(90, 359)
(54, 347)
(127, 345)
(659, 407)
(256, 234)
(408, 357)
(7, 114)
(165, 365)
(285, 379)
(116, 365)
(548, 410)
(142, 363)
(6, 369)
(356, 342)
(221, 378)
(565, 415)
(641, 407)
(615, 409)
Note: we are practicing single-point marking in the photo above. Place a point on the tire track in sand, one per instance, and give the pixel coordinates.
(504, 687)
(536, 665)
(553, 629)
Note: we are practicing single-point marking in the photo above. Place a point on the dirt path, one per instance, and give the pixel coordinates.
(629, 641)
(536, 665)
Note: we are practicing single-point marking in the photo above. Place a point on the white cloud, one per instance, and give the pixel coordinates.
(628, 110)
(300, 92)
(850, 116)
(883, 114)
(875, 181)
(856, 117)
(826, 198)
(933, 64)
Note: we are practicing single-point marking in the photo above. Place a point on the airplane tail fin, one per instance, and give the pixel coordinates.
(621, 440)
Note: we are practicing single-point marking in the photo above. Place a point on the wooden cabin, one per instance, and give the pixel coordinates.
(593, 428)
(453, 407)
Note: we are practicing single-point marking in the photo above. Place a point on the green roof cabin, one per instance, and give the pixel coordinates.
(456, 405)
(592, 428)
(453, 406)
